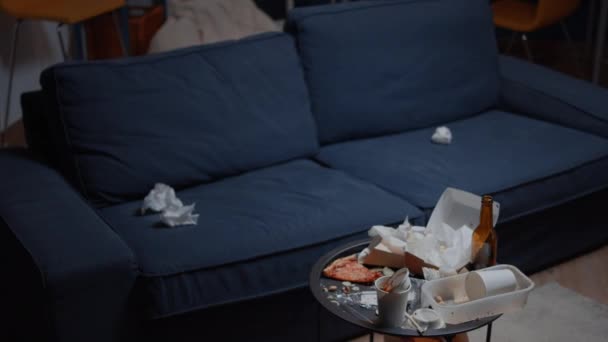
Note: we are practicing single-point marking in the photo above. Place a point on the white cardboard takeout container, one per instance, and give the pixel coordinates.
(456, 208)
(457, 308)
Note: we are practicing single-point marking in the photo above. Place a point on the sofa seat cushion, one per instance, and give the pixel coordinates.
(378, 67)
(182, 118)
(258, 233)
(526, 164)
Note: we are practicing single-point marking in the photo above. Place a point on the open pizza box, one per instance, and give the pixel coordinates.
(455, 207)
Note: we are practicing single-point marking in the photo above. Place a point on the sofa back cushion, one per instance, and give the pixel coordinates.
(186, 117)
(378, 67)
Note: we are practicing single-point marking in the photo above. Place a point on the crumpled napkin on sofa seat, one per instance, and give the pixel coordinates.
(442, 135)
(162, 199)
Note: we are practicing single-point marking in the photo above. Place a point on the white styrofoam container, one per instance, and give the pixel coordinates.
(459, 208)
(452, 289)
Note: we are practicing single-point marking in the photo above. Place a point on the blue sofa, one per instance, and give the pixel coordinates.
(290, 144)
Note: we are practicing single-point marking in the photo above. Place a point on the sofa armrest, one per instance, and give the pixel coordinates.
(551, 96)
(86, 271)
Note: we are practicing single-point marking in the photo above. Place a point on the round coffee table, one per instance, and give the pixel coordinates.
(340, 304)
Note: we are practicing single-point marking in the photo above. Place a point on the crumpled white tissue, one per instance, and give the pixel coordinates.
(442, 135)
(362, 255)
(179, 216)
(432, 274)
(162, 199)
(442, 246)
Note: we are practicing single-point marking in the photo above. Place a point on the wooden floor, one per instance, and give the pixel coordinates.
(587, 275)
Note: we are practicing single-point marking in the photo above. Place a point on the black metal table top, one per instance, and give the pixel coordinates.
(366, 317)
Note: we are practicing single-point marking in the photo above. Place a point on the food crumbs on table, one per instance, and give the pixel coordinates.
(345, 289)
(355, 288)
(347, 283)
(332, 288)
(335, 302)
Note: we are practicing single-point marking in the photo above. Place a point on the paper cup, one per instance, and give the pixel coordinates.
(480, 284)
(428, 318)
(391, 305)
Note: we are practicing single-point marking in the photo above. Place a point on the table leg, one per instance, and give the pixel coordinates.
(319, 336)
(601, 39)
(489, 333)
(371, 336)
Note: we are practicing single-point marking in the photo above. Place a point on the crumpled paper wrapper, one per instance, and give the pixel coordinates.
(174, 213)
(160, 198)
(179, 216)
(442, 135)
(443, 247)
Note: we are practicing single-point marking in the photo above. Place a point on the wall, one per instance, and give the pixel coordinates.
(38, 48)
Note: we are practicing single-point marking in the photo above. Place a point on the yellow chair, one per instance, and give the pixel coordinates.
(523, 17)
(64, 12)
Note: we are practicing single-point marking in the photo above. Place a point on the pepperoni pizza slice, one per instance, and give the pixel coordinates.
(349, 269)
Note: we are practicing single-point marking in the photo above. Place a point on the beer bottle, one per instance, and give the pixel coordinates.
(484, 241)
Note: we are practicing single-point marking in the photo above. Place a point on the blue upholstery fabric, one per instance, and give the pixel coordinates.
(552, 96)
(182, 118)
(377, 67)
(538, 241)
(86, 269)
(33, 104)
(258, 233)
(293, 316)
(527, 164)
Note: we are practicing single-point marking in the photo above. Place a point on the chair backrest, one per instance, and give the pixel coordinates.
(63, 11)
(7, 6)
(550, 12)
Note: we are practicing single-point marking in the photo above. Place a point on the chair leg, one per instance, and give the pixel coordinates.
(601, 39)
(61, 43)
(84, 45)
(590, 25)
(511, 42)
(574, 51)
(524, 41)
(119, 32)
(11, 73)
